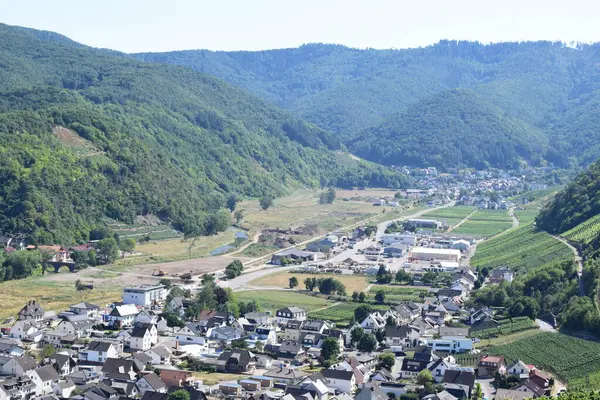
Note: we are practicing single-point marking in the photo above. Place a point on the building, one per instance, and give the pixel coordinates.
(99, 351)
(176, 377)
(415, 223)
(462, 245)
(291, 255)
(490, 366)
(431, 254)
(451, 345)
(393, 250)
(401, 336)
(123, 316)
(284, 315)
(143, 337)
(31, 311)
(406, 238)
(145, 295)
(83, 308)
(323, 245)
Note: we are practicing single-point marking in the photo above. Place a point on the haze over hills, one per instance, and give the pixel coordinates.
(87, 134)
(379, 101)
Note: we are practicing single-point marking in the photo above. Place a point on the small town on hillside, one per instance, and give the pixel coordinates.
(179, 334)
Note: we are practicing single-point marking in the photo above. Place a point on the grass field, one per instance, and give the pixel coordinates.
(507, 327)
(212, 378)
(452, 215)
(485, 223)
(523, 248)
(398, 292)
(340, 313)
(274, 299)
(258, 250)
(52, 295)
(281, 279)
(526, 216)
(506, 339)
(572, 359)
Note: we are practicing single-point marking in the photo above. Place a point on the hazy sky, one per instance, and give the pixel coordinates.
(160, 25)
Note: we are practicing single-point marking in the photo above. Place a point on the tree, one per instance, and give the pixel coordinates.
(383, 276)
(386, 360)
(361, 297)
(232, 201)
(310, 283)
(293, 282)
(380, 296)
(356, 334)
(239, 216)
(92, 257)
(330, 349)
(22, 264)
(80, 258)
(380, 335)
(101, 232)
(355, 296)
(234, 269)
(166, 283)
(179, 394)
(266, 202)
(402, 276)
(48, 351)
(367, 343)
(327, 197)
(361, 312)
(477, 392)
(108, 250)
(239, 344)
(424, 377)
(127, 245)
(207, 279)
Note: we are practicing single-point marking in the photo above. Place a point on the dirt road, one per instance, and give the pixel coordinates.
(578, 260)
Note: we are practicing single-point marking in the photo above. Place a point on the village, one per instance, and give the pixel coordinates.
(157, 340)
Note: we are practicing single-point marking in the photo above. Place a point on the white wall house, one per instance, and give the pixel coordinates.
(143, 337)
(451, 344)
(98, 351)
(123, 316)
(145, 295)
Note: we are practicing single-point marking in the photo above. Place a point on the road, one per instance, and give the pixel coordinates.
(516, 222)
(487, 388)
(242, 280)
(462, 221)
(544, 326)
(381, 227)
(578, 260)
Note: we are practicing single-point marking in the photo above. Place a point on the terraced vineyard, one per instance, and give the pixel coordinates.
(485, 223)
(506, 328)
(452, 215)
(572, 359)
(584, 232)
(521, 249)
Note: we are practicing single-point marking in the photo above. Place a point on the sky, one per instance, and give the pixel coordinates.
(163, 25)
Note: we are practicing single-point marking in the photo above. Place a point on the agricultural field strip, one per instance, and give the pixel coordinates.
(486, 223)
(452, 215)
(584, 232)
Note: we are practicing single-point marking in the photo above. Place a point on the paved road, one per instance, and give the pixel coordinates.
(462, 221)
(487, 388)
(242, 280)
(381, 227)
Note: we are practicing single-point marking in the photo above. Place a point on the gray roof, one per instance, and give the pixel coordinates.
(337, 374)
(294, 252)
(154, 381)
(285, 373)
(139, 330)
(370, 392)
(26, 362)
(99, 346)
(47, 373)
(85, 306)
(161, 351)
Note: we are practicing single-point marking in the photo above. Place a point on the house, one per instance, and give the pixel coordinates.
(83, 308)
(230, 388)
(484, 324)
(63, 363)
(443, 395)
(344, 381)
(237, 361)
(265, 382)
(296, 329)
(286, 375)
(119, 370)
(159, 355)
(401, 336)
(479, 315)
(18, 388)
(490, 366)
(123, 316)
(145, 317)
(143, 337)
(371, 391)
(19, 366)
(192, 333)
(291, 350)
(11, 347)
(323, 245)
(373, 322)
(176, 377)
(519, 369)
(23, 329)
(145, 295)
(213, 318)
(540, 379)
(310, 387)
(290, 313)
(291, 254)
(78, 325)
(149, 395)
(439, 367)
(151, 382)
(531, 388)
(450, 344)
(225, 334)
(411, 368)
(509, 394)
(100, 391)
(382, 375)
(83, 377)
(259, 318)
(178, 305)
(99, 351)
(463, 377)
(63, 389)
(266, 333)
(31, 311)
(45, 378)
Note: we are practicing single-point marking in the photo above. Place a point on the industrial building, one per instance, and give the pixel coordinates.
(431, 254)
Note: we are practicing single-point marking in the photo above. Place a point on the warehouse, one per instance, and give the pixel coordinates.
(406, 238)
(423, 223)
(430, 254)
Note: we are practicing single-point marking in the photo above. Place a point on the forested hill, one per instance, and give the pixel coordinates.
(546, 89)
(85, 134)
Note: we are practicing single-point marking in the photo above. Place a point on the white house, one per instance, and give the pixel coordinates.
(159, 355)
(401, 336)
(191, 334)
(342, 380)
(143, 337)
(122, 316)
(518, 368)
(451, 344)
(151, 383)
(19, 366)
(373, 322)
(23, 329)
(83, 308)
(145, 295)
(99, 352)
(44, 378)
(290, 313)
(78, 325)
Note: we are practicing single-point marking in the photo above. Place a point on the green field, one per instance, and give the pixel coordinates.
(485, 223)
(584, 232)
(258, 250)
(522, 249)
(526, 216)
(398, 292)
(272, 300)
(452, 215)
(572, 360)
(340, 313)
(507, 327)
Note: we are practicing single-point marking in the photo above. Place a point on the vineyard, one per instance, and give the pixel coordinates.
(506, 327)
(522, 249)
(275, 299)
(572, 359)
(398, 293)
(485, 223)
(451, 215)
(340, 313)
(584, 232)
(526, 216)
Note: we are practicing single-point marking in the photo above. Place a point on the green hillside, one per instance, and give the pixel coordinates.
(535, 92)
(87, 134)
